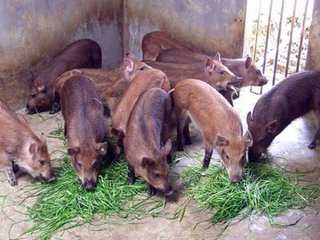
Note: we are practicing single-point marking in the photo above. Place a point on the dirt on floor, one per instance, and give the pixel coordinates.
(289, 150)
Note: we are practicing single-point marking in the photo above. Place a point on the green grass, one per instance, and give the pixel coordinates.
(264, 189)
(64, 204)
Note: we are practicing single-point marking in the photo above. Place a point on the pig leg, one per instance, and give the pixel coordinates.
(181, 120)
(186, 132)
(55, 108)
(11, 176)
(152, 191)
(207, 156)
(131, 175)
(316, 137)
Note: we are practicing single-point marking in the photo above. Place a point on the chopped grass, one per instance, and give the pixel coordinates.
(264, 189)
(64, 204)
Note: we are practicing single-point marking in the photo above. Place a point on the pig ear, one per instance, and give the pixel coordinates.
(167, 147)
(217, 57)
(210, 66)
(222, 141)
(33, 148)
(41, 88)
(249, 118)
(128, 64)
(272, 126)
(248, 62)
(147, 162)
(102, 149)
(248, 139)
(73, 151)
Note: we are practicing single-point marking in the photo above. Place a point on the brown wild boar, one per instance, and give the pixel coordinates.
(242, 67)
(293, 97)
(155, 42)
(218, 122)
(147, 79)
(84, 53)
(146, 144)
(110, 84)
(212, 72)
(85, 127)
(21, 148)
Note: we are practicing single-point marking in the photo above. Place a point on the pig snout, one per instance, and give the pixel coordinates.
(168, 192)
(235, 173)
(263, 81)
(89, 184)
(48, 177)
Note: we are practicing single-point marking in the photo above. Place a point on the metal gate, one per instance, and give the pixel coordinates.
(277, 33)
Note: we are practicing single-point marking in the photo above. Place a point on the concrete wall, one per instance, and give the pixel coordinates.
(34, 30)
(209, 25)
(313, 61)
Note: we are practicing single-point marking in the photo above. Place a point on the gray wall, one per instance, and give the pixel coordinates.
(206, 24)
(36, 30)
(313, 61)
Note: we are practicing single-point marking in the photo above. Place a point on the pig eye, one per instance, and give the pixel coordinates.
(157, 175)
(142, 68)
(222, 72)
(42, 162)
(258, 71)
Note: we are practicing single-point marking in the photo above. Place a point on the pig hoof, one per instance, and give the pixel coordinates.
(13, 182)
(131, 180)
(312, 145)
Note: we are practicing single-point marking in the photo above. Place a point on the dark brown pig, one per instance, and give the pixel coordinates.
(293, 97)
(84, 53)
(145, 80)
(85, 127)
(145, 144)
(155, 42)
(21, 148)
(212, 72)
(218, 122)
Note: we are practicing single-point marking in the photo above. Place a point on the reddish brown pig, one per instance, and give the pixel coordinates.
(147, 79)
(155, 42)
(85, 127)
(293, 97)
(212, 72)
(218, 122)
(145, 144)
(84, 53)
(21, 148)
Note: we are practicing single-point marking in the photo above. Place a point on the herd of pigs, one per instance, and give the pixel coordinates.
(146, 101)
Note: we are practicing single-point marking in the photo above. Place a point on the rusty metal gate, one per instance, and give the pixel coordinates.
(277, 35)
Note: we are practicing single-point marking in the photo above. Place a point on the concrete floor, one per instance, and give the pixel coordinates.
(289, 150)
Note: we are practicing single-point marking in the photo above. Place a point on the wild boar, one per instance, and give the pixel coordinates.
(155, 42)
(110, 84)
(293, 97)
(219, 123)
(84, 53)
(85, 128)
(212, 72)
(243, 67)
(145, 143)
(147, 79)
(21, 148)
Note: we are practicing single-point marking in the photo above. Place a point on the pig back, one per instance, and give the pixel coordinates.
(143, 81)
(207, 107)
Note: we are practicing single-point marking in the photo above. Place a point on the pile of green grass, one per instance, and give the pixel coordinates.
(264, 189)
(65, 204)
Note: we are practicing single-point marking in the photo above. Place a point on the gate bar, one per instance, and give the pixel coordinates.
(291, 33)
(302, 34)
(278, 43)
